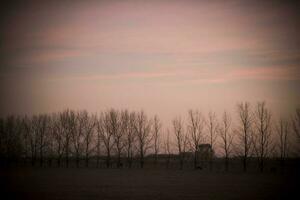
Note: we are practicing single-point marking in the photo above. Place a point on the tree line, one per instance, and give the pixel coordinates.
(122, 136)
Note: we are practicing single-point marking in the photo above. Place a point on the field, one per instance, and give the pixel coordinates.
(92, 183)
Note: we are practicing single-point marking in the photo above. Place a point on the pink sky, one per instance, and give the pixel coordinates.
(161, 56)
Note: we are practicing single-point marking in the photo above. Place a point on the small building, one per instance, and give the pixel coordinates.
(204, 154)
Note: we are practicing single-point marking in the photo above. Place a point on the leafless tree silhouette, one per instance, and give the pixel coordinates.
(283, 130)
(88, 124)
(58, 137)
(118, 136)
(156, 137)
(31, 136)
(77, 138)
(106, 135)
(262, 139)
(130, 135)
(226, 137)
(181, 139)
(99, 130)
(40, 124)
(50, 142)
(68, 122)
(212, 129)
(11, 138)
(2, 144)
(167, 148)
(143, 133)
(245, 120)
(195, 128)
(296, 126)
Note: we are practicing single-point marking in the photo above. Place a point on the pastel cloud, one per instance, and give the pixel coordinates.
(133, 44)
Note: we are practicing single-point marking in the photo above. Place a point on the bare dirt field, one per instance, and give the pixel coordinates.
(61, 183)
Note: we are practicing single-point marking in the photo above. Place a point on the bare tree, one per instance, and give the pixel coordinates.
(212, 129)
(31, 136)
(226, 137)
(104, 127)
(77, 137)
(58, 137)
(42, 128)
(11, 138)
(117, 133)
(195, 128)
(88, 131)
(167, 149)
(68, 122)
(2, 143)
(262, 139)
(99, 130)
(283, 129)
(130, 135)
(50, 141)
(245, 120)
(156, 137)
(296, 125)
(181, 139)
(143, 133)
(23, 137)
(39, 130)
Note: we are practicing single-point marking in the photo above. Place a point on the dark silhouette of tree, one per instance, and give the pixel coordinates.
(245, 120)
(11, 144)
(58, 137)
(143, 133)
(130, 134)
(68, 122)
(283, 131)
(226, 137)
(105, 129)
(156, 136)
(195, 128)
(296, 125)
(181, 139)
(77, 137)
(50, 141)
(2, 142)
(117, 134)
(262, 138)
(89, 123)
(167, 149)
(31, 138)
(212, 129)
(99, 130)
(40, 127)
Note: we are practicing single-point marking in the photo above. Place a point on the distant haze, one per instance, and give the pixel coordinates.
(161, 56)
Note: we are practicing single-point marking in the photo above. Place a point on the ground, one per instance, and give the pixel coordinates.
(62, 183)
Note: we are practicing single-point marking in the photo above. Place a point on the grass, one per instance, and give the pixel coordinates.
(88, 183)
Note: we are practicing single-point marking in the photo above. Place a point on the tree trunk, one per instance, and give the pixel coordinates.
(282, 166)
(142, 159)
(195, 159)
(87, 161)
(119, 160)
(77, 160)
(58, 161)
(245, 164)
(226, 163)
(98, 161)
(108, 159)
(181, 163)
(261, 165)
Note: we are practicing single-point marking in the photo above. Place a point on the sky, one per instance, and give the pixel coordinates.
(164, 57)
